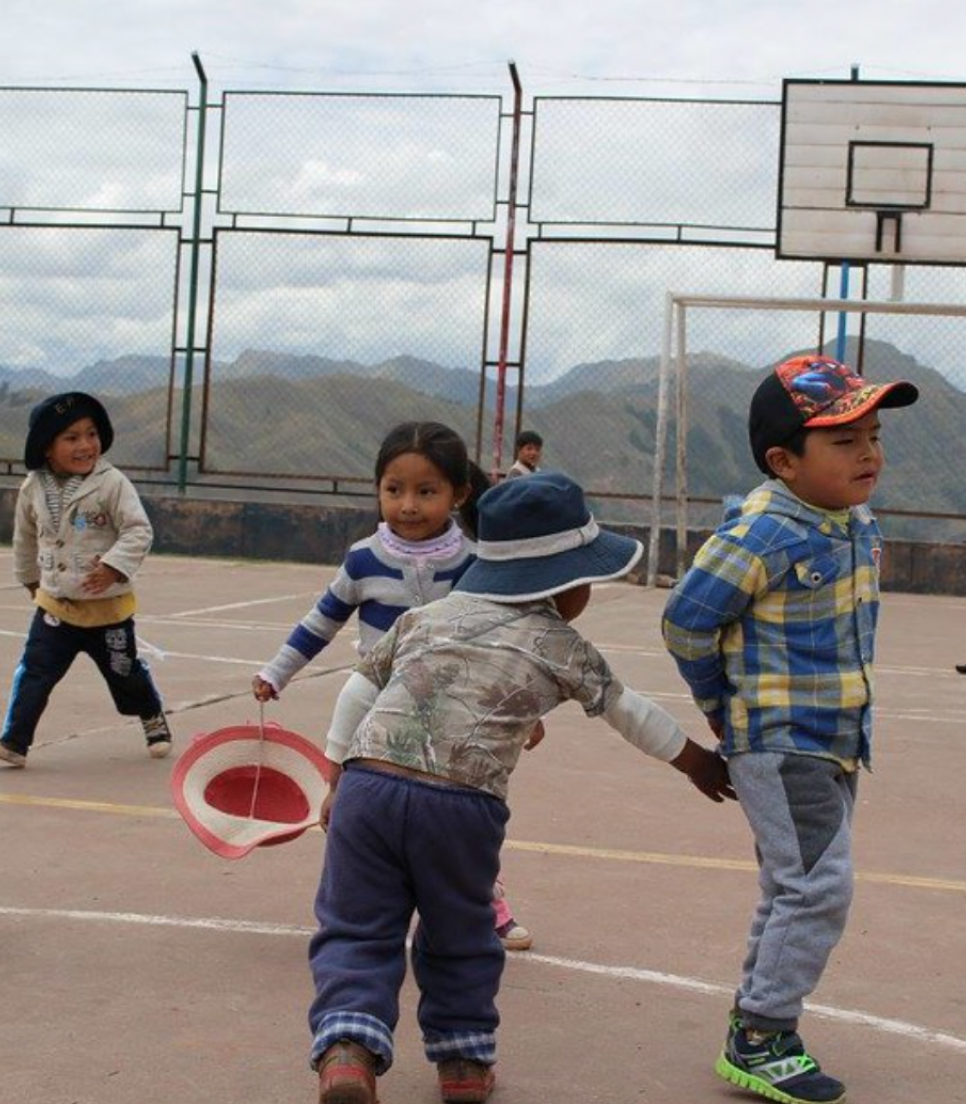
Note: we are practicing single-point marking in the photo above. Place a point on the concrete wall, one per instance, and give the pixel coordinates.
(321, 534)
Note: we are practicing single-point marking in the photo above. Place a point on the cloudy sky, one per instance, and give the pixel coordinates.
(69, 299)
(621, 46)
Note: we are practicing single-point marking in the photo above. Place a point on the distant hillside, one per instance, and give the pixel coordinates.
(289, 415)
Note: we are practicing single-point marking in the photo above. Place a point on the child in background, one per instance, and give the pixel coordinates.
(417, 554)
(428, 730)
(80, 534)
(773, 630)
(527, 450)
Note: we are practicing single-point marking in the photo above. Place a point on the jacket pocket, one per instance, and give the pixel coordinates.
(817, 573)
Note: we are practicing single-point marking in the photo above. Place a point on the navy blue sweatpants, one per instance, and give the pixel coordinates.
(396, 846)
(52, 646)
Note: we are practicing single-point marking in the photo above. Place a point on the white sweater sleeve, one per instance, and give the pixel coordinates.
(645, 725)
(354, 702)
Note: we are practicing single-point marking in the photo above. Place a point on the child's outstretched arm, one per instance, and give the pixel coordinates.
(655, 732)
(317, 629)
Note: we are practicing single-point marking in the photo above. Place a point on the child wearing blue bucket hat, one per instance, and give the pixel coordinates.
(428, 730)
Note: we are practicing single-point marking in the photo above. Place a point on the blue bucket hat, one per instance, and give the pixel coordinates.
(537, 538)
(54, 415)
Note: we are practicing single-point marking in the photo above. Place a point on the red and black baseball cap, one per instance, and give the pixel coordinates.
(815, 392)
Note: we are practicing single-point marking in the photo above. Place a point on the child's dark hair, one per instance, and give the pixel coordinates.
(443, 448)
(527, 437)
(795, 445)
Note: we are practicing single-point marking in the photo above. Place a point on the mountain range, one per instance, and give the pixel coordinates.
(295, 415)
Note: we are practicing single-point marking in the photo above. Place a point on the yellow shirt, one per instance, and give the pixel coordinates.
(88, 613)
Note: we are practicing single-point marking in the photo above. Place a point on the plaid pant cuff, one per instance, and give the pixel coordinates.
(360, 1028)
(477, 1046)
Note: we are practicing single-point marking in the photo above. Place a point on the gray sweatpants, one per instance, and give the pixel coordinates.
(800, 811)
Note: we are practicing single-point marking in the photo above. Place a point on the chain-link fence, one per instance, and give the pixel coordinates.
(261, 285)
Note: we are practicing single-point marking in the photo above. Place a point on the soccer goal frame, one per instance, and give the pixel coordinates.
(674, 375)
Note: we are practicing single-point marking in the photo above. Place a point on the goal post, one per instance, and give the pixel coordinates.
(673, 386)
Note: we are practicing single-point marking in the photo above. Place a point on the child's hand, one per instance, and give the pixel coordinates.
(326, 814)
(707, 770)
(263, 691)
(333, 772)
(100, 578)
(537, 733)
(716, 724)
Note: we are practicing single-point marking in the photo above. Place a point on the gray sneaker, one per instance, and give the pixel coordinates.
(12, 758)
(157, 734)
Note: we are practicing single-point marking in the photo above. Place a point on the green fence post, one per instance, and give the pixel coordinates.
(193, 278)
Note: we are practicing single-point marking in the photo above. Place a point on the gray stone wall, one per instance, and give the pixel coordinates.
(321, 534)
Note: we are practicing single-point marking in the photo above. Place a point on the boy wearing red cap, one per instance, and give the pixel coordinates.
(80, 534)
(773, 630)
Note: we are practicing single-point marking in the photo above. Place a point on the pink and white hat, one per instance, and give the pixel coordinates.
(248, 786)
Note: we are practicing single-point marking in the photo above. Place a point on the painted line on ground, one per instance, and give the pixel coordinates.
(702, 862)
(246, 605)
(909, 1031)
(163, 653)
(652, 858)
(89, 806)
(880, 668)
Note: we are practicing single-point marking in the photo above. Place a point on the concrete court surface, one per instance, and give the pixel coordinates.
(138, 968)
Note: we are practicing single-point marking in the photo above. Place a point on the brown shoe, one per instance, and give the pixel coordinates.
(463, 1081)
(347, 1074)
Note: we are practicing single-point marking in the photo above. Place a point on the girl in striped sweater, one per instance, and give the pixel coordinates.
(417, 554)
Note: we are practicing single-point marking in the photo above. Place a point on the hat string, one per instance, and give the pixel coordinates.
(261, 758)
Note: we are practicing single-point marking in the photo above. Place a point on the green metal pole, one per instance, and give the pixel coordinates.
(189, 359)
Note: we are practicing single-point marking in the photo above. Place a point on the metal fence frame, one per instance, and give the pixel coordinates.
(510, 238)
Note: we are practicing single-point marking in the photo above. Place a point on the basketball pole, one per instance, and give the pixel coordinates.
(842, 336)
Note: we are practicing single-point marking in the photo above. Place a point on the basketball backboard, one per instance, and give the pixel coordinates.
(873, 171)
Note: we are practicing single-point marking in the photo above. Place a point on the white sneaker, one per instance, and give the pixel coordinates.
(12, 758)
(157, 734)
(514, 936)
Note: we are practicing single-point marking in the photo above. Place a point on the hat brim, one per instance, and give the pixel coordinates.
(248, 786)
(608, 556)
(856, 404)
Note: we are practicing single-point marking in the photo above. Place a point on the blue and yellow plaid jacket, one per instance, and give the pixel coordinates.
(773, 627)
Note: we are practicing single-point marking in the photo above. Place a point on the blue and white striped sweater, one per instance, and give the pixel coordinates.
(380, 585)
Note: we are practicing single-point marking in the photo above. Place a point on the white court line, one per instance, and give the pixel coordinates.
(185, 655)
(245, 605)
(658, 695)
(909, 1031)
(880, 668)
(172, 655)
(953, 716)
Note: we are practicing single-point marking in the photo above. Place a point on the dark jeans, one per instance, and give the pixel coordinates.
(47, 656)
(396, 846)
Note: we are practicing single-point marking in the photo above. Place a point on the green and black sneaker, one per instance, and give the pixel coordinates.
(776, 1066)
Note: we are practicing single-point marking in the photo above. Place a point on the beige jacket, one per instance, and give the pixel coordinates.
(103, 519)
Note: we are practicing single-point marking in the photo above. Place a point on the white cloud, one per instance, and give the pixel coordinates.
(81, 296)
(432, 43)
